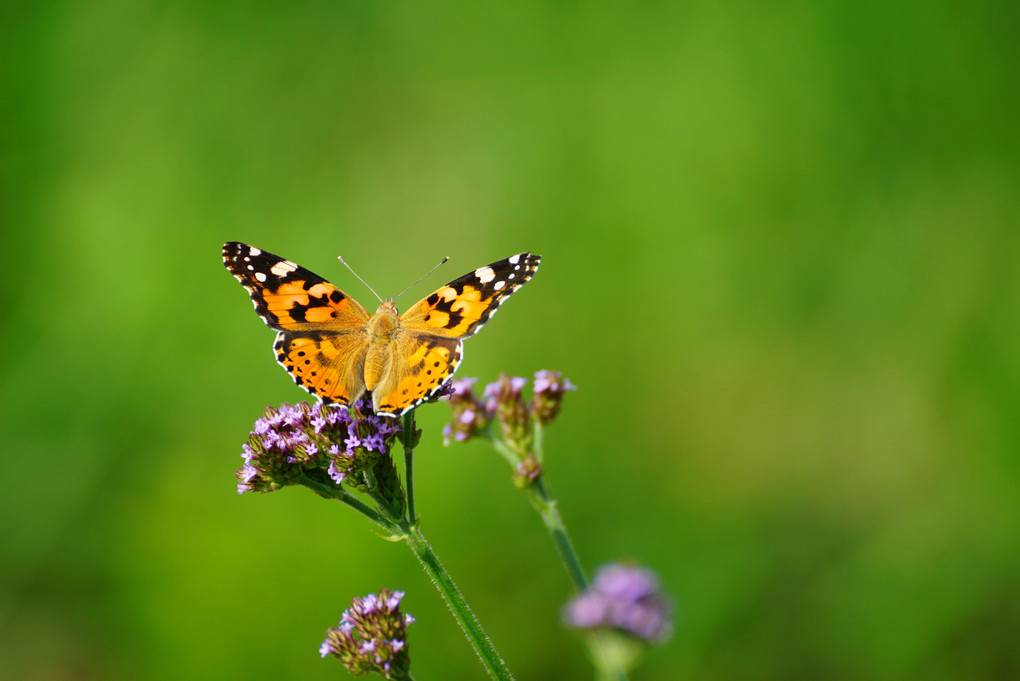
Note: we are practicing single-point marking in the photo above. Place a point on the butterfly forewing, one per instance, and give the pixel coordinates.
(462, 307)
(287, 296)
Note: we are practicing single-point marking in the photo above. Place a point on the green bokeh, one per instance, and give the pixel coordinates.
(780, 257)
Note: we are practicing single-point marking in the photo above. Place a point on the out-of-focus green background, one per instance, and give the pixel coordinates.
(780, 258)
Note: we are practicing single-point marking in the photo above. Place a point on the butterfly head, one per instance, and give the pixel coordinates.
(384, 322)
(388, 307)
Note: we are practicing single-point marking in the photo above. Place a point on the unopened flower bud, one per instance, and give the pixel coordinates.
(549, 389)
(528, 471)
(511, 411)
(470, 417)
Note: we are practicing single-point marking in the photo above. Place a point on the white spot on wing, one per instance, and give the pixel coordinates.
(282, 268)
(499, 284)
(485, 274)
(261, 276)
(254, 251)
(514, 259)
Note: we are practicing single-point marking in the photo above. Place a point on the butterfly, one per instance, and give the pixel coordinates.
(335, 349)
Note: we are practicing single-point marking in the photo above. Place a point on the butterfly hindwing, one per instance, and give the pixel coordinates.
(419, 366)
(288, 296)
(329, 365)
(462, 307)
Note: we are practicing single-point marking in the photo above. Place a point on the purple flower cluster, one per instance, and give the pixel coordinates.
(471, 417)
(549, 387)
(372, 636)
(503, 402)
(622, 597)
(511, 410)
(294, 440)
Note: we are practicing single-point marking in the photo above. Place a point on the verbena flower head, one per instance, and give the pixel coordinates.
(470, 416)
(503, 402)
(625, 598)
(330, 442)
(372, 636)
(549, 389)
(504, 398)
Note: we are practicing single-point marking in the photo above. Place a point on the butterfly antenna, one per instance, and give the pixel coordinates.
(422, 277)
(341, 259)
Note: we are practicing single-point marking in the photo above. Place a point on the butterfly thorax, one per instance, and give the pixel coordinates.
(381, 328)
(383, 323)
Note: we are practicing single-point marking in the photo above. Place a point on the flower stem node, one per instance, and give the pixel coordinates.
(372, 636)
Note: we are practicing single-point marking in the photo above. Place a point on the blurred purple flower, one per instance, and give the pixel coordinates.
(622, 597)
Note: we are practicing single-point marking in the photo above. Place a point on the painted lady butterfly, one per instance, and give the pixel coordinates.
(336, 350)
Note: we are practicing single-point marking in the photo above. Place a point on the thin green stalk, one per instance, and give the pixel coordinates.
(491, 660)
(470, 625)
(537, 440)
(343, 496)
(406, 438)
(549, 511)
(501, 447)
(550, 514)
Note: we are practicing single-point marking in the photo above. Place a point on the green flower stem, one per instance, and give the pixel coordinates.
(501, 447)
(333, 491)
(607, 664)
(548, 510)
(538, 494)
(411, 534)
(537, 440)
(613, 653)
(406, 438)
(458, 606)
(550, 513)
(390, 513)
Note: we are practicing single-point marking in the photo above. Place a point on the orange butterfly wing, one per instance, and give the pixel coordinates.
(322, 338)
(419, 367)
(429, 349)
(462, 307)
